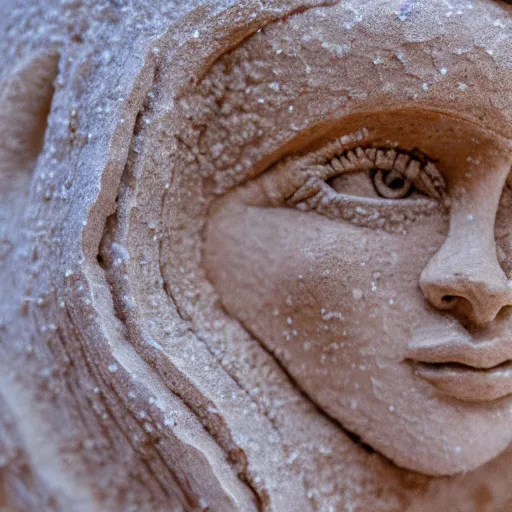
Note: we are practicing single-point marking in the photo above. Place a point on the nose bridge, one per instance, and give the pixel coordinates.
(464, 275)
(466, 267)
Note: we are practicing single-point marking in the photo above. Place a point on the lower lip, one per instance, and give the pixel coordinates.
(466, 383)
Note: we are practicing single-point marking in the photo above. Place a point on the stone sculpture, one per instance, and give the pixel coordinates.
(256, 256)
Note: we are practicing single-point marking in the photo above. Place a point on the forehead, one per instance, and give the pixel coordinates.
(330, 62)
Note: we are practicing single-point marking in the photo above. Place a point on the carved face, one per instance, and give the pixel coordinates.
(373, 260)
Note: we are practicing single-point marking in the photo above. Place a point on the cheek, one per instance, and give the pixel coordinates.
(312, 289)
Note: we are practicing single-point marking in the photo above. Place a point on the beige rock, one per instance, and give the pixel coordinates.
(199, 310)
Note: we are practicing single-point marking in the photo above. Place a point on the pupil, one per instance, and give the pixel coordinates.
(396, 183)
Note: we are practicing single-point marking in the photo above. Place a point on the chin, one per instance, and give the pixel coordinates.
(438, 451)
(447, 460)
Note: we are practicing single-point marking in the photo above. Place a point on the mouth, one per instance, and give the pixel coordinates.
(466, 382)
(472, 372)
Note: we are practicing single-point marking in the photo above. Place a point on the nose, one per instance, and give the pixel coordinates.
(467, 280)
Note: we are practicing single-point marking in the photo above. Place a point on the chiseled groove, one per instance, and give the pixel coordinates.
(108, 410)
(259, 497)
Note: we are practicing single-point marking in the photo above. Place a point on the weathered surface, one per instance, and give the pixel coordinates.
(124, 385)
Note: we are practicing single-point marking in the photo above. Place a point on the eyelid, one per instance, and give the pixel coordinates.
(281, 181)
(375, 213)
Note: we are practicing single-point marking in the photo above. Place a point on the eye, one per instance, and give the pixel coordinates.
(391, 184)
(375, 183)
(389, 174)
(373, 187)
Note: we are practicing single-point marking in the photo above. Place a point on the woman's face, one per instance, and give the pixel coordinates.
(374, 264)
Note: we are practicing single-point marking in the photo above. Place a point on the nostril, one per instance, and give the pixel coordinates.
(448, 302)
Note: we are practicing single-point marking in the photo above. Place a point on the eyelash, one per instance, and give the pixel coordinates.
(388, 214)
(425, 176)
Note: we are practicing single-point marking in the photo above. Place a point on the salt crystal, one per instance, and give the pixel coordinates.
(357, 294)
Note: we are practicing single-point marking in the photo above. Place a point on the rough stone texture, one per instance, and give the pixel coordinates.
(124, 385)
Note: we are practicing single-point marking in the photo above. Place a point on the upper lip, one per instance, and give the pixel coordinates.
(482, 355)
